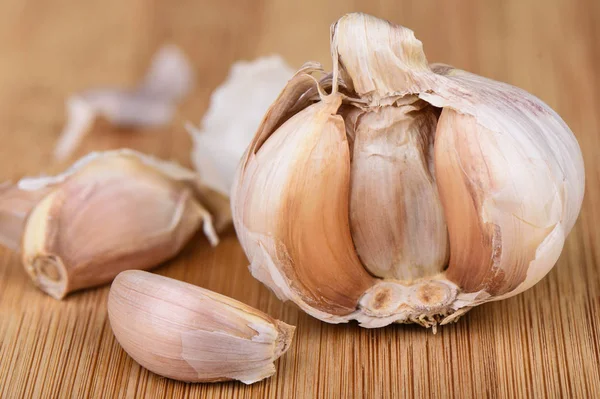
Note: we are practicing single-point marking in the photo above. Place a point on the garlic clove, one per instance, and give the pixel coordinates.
(395, 210)
(529, 183)
(110, 212)
(297, 95)
(524, 128)
(191, 334)
(295, 195)
(495, 225)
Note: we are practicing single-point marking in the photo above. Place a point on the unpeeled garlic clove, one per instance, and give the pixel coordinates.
(502, 208)
(110, 212)
(308, 236)
(191, 334)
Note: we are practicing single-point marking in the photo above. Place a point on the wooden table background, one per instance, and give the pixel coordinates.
(543, 343)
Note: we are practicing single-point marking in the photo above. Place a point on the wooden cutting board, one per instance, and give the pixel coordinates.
(543, 343)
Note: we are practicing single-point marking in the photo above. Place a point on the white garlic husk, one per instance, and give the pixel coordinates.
(396, 191)
(223, 136)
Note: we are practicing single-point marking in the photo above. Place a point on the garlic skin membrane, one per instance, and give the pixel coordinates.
(455, 189)
(220, 141)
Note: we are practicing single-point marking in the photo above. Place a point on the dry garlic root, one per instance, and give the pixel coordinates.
(192, 334)
(109, 212)
(395, 191)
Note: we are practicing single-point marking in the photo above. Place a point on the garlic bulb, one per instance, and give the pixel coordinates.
(192, 334)
(396, 191)
(110, 212)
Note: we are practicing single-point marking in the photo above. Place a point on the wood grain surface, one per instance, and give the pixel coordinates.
(543, 343)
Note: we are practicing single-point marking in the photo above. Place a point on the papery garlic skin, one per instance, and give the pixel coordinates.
(192, 334)
(462, 189)
(220, 141)
(152, 103)
(110, 212)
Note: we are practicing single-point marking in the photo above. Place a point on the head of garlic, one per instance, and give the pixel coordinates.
(392, 190)
(111, 211)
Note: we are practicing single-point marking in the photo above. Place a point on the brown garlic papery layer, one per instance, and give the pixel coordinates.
(191, 334)
(392, 190)
(110, 212)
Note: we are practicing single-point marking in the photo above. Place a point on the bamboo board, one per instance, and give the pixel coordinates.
(543, 343)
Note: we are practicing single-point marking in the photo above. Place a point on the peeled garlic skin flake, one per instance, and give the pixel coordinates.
(152, 103)
(391, 190)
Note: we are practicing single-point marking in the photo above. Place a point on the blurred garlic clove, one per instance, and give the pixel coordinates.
(221, 140)
(80, 118)
(191, 334)
(462, 190)
(110, 212)
(395, 210)
(170, 76)
(169, 79)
